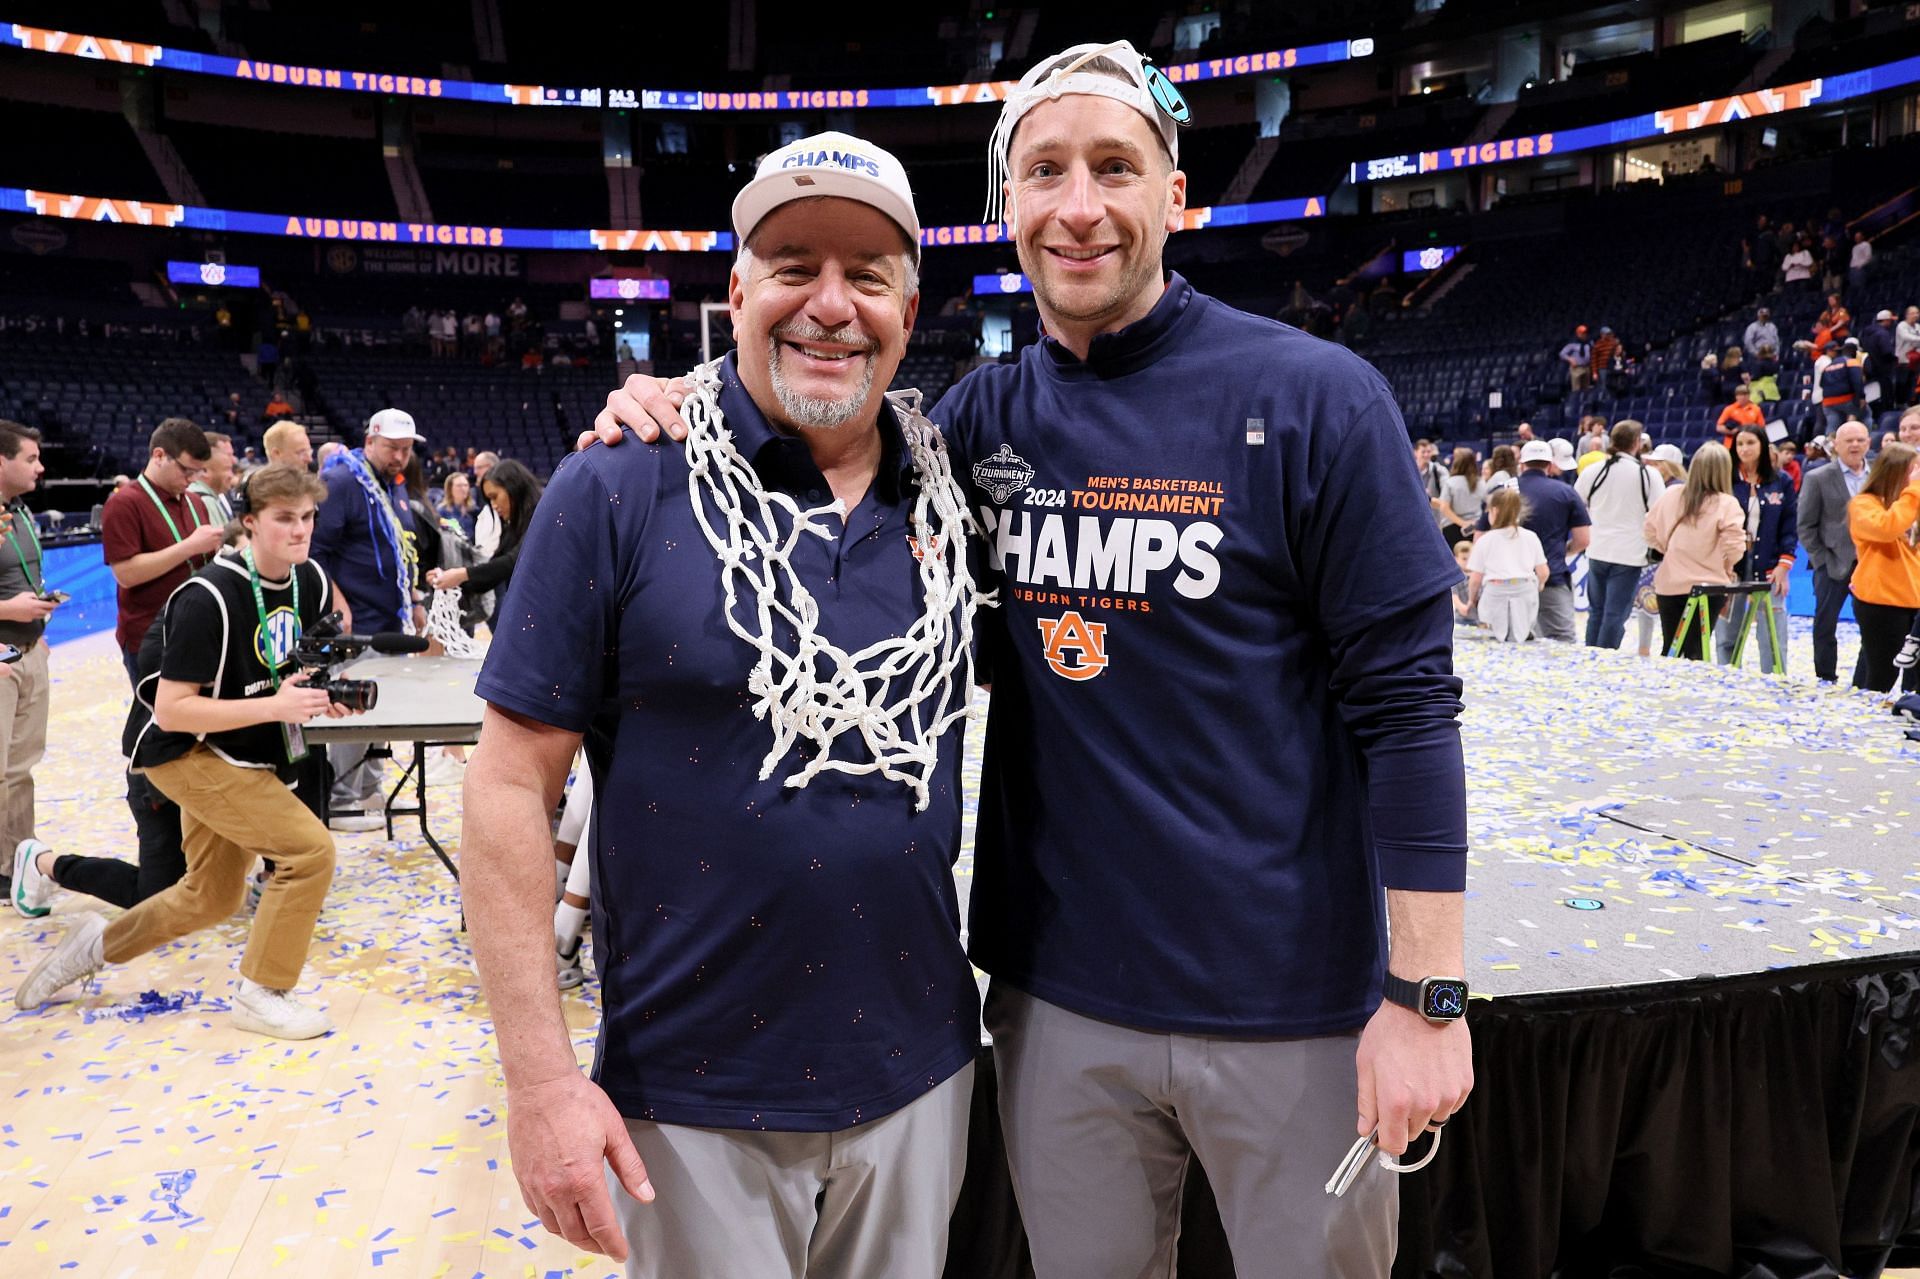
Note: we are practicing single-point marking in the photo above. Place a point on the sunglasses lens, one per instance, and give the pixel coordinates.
(1168, 98)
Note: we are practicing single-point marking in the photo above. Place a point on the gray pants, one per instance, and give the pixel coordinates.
(867, 1202)
(356, 779)
(1101, 1122)
(1556, 613)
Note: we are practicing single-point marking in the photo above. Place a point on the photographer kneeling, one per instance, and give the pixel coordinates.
(216, 728)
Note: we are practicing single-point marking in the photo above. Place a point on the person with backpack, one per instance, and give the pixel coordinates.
(1619, 493)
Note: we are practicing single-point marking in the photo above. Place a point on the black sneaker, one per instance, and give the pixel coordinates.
(1909, 653)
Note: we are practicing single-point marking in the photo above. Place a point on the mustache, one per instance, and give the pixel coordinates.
(807, 331)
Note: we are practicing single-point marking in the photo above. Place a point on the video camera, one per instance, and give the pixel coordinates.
(323, 647)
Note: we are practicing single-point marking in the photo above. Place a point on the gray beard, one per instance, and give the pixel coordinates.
(810, 411)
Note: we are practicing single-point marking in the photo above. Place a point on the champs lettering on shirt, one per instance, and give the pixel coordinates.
(771, 957)
(1173, 822)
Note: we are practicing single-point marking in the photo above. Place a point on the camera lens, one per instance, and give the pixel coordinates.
(354, 694)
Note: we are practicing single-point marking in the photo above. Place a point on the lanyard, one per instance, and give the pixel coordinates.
(291, 737)
(160, 506)
(39, 556)
(260, 609)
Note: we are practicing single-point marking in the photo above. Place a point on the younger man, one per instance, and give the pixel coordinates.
(215, 728)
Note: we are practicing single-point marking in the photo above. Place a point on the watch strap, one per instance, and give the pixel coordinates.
(1402, 992)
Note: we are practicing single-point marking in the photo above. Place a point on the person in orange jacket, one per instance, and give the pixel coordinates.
(1742, 412)
(1886, 581)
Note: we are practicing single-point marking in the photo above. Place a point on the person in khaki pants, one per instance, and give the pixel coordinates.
(215, 727)
(23, 624)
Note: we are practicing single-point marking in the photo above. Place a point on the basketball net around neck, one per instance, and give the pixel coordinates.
(819, 691)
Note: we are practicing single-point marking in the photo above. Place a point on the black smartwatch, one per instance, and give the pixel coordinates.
(1438, 999)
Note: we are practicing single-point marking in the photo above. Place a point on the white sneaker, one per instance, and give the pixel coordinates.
(1909, 654)
(256, 888)
(357, 822)
(77, 956)
(567, 962)
(444, 770)
(31, 889)
(276, 1012)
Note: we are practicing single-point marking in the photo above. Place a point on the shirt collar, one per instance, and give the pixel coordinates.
(1136, 345)
(782, 461)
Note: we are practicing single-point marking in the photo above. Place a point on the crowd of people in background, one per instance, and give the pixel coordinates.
(509, 335)
(1654, 525)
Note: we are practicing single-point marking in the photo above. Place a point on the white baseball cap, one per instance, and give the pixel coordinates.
(1669, 453)
(828, 164)
(1146, 89)
(1536, 451)
(393, 424)
(1563, 455)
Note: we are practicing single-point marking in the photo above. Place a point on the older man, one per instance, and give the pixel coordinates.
(1186, 919)
(1822, 526)
(785, 1060)
(364, 540)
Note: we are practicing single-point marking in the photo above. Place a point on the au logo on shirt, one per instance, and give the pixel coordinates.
(1075, 649)
(274, 646)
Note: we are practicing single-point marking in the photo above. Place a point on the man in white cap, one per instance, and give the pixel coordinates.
(1565, 463)
(785, 1063)
(1224, 746)
(364, 540)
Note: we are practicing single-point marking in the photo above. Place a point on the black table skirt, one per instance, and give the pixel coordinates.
(1762, 1127)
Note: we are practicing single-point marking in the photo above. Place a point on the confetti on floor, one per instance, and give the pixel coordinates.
(1630, 820)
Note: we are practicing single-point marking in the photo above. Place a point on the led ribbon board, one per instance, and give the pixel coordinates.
(214, 275)
(299, 75)
(1431, 258)
(630, 290)
(100, 208)
(1011, 282)
(1654, 124)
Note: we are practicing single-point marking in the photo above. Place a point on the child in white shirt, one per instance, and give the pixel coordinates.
(1507, 569)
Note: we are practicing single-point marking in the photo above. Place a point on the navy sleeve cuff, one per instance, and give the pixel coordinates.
(1399, 696)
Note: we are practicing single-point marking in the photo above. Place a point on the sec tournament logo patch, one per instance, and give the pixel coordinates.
(1002, 474)
(1075, 649)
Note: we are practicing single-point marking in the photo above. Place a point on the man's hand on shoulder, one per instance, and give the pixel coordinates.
(649, 405)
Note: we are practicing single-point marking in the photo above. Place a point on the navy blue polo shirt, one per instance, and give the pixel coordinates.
(771, 957)
(1553, 511)
(1224, 713)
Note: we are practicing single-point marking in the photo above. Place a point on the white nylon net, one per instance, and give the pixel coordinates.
(820, 691)
(443, 624)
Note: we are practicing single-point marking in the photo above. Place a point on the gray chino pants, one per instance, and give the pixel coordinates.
(1102, 1121)
(867, 1202)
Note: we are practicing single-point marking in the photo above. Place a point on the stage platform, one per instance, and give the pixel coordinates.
(1649, 837)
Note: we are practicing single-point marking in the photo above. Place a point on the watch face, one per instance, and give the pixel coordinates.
(1445, 999)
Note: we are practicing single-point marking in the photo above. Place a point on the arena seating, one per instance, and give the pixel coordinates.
(283, 172)
(100, 399)
(75, 152)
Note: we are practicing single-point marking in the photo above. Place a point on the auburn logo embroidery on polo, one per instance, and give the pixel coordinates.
(1076, 649)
